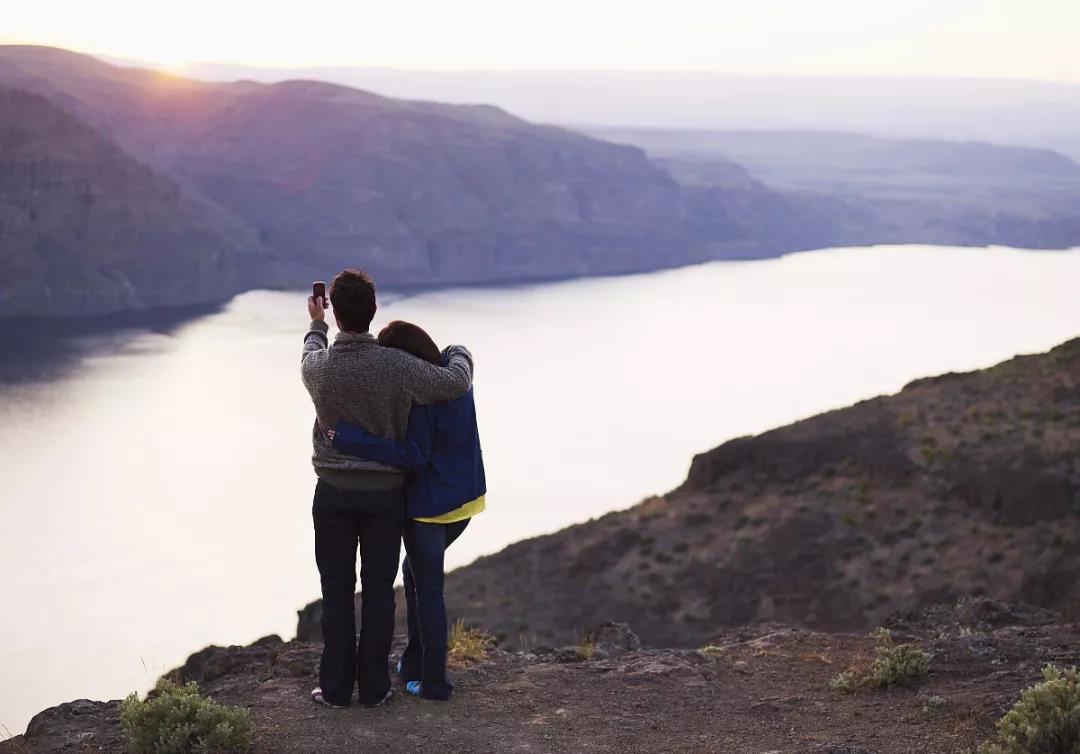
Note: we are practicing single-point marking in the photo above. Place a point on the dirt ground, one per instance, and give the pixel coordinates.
(763, 690)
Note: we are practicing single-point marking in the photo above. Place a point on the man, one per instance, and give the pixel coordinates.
(359, 501)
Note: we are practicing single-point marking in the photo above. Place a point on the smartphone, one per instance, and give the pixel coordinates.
(318, 291)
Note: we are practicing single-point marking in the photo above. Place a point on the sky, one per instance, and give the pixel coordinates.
(998, 38)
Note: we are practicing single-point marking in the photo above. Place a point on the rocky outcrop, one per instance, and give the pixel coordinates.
(754, 689)
(965, 484)
(81, 725)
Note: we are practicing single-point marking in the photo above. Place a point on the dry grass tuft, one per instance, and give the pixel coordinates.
(468, 645)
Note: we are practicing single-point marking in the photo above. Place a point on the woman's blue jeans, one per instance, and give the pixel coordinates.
(424, 659)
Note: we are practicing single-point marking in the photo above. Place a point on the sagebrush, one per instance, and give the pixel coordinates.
(897, 664)
(893, 665)
(1046, 719)
(177, 719)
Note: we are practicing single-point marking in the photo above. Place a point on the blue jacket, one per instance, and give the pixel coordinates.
(441, 448)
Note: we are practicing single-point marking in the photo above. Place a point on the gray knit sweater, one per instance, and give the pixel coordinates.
(357, 380)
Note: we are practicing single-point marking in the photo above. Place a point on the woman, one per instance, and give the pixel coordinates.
(445, 490)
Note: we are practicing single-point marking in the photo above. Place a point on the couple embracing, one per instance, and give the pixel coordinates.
(397, 455)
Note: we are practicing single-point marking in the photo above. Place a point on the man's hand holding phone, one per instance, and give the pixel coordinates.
(317, 303)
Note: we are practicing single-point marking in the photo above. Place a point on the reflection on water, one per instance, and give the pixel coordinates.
(155, 489)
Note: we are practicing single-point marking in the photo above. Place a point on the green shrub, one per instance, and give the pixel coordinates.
(897, 664)
(1046, 720)
(893, 665)
(176, 719)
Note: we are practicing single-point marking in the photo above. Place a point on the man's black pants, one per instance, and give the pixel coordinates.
(374, 519)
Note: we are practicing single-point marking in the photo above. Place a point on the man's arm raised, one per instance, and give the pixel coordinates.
(427, 383)
(316, 341)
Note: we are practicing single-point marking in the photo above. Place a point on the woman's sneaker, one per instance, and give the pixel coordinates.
(415, 688)
(318, 698)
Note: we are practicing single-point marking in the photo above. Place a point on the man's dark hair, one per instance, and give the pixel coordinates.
(410, 338)
(352, 294)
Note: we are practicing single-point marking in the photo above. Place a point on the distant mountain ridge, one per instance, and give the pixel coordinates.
(966, 193)
(1004, 111)
(838, 150)
(278, 184)
(325, 176)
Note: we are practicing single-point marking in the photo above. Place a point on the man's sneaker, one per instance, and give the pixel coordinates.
(318, 698)
(386, 698)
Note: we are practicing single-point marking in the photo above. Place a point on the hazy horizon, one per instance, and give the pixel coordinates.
(832, 37)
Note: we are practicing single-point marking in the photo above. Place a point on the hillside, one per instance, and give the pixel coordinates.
(417, 192)
(86, 228)
(960, 484)
(760, 690)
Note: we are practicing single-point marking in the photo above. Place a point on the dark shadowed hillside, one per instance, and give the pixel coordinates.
(84, 227)
(960, 484)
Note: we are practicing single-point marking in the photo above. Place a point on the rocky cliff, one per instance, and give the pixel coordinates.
(960, 484)
(757, 689)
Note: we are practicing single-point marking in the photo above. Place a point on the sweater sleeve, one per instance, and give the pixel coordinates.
(427, 383)
(314, 352)
(413, 453)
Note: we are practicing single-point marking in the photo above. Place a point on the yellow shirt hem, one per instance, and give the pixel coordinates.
(468, 510)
